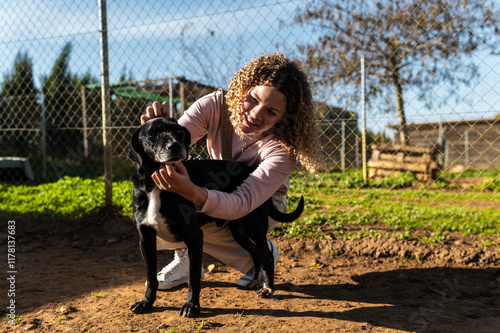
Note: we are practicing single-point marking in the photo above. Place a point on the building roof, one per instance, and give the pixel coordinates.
(159, 89)
(454, 123)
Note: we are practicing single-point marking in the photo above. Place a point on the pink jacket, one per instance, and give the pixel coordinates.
(272, 163)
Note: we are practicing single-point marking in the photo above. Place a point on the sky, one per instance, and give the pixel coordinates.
(204, 41)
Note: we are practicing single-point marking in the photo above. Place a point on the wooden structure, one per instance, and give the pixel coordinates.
(388, 160)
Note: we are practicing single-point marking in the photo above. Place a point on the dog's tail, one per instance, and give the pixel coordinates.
(276, 215)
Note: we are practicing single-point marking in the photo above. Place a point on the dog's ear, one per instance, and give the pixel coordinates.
(187, 137)
(135, 151)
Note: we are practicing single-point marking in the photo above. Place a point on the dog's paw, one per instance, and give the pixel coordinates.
(141, 306)
(266, 292)
(190, 310)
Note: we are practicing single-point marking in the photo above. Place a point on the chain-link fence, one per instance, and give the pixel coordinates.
(432, 75)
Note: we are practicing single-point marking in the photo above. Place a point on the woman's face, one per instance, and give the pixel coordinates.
(263, 107)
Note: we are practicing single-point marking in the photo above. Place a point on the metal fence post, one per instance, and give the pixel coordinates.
(356, 145)
(106, 101)
(363, 120)
(171, 97)
(85, 128)
(43, 127)
(466, 149)
(342, 150)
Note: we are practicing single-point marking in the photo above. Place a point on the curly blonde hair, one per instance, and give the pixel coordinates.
(297, 132)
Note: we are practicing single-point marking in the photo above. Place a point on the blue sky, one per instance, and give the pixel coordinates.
(144, 36)
(159, 39)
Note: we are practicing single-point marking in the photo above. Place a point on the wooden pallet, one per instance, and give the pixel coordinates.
(388, 160)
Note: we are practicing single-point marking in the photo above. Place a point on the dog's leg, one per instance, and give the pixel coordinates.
(191, 307)
(148, 250)
(252, 237)
(241, 237)
(265, 262)
(268, 261)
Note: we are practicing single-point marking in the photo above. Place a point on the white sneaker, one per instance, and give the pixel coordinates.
(177, 272)
(246, 279)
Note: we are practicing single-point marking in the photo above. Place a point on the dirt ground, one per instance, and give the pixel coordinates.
(82, 276)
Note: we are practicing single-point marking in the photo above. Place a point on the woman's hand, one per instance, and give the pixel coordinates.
(155, 111)
(175, 178)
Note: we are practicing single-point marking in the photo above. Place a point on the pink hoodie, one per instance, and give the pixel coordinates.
(272, 163)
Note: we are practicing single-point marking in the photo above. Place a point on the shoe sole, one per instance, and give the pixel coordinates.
(173, 284)
(176, 283)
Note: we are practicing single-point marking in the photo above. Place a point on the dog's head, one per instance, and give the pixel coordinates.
(159, 140)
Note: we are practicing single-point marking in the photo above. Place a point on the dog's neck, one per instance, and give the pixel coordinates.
(148, 167)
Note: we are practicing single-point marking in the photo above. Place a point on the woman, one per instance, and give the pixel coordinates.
(274, 129)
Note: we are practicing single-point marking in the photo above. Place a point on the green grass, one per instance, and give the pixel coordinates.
(340, 201)
(70, 197)
(336, 204)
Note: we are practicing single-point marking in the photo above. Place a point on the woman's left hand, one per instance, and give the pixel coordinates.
(175, 178)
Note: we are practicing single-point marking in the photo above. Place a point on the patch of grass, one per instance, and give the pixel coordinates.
(470, 173)
(491, 184)
(69, 197)
(345, 200)
(335, 203)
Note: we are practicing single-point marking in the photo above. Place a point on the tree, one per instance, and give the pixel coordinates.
(406, 44)
(20, 81)
(18, 91)
(61, 103)
(18, 105)
(125, 76)
(211, 68)
(60, 80)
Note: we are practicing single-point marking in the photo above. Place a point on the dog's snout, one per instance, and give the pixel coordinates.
(174, 147)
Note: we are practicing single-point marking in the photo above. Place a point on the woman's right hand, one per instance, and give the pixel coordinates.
(156, 110)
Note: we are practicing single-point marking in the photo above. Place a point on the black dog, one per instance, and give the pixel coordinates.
(163, 213)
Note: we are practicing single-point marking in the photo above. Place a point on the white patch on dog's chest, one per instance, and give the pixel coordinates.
(155, 219)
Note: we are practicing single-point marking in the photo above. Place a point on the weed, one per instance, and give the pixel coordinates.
(275, 232)
(174, 330)
(403, 235)
(435, 238)
(17, 318)
(239, 314)
(201, 325)
(95, 295)
(486, 243)
(491, 184)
